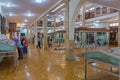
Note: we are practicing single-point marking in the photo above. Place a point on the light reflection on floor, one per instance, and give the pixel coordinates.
(49, 65)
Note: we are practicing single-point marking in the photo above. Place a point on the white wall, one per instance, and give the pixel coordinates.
(98, 25)
(101, 25)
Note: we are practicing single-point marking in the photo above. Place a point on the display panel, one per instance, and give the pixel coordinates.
(0, 23)
(104, 10)
(3, 25)
(98, 11)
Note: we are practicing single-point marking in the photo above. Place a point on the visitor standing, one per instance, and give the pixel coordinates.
(22, 42)
(25, 45)
(19, 48)
(39, 41)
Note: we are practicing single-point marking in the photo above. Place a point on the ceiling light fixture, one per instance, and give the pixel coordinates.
(97, 21)
(61, 5)
(8, 5)
(11, 14)
(23, 24)
(47, 15)
(25, 20)
(39, 1)
(29, 14)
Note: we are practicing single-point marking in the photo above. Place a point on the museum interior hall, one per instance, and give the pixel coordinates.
(59, 40)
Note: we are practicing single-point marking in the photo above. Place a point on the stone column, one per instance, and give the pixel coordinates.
(35, 28)
(69, 34)
(83, 15)
(119, 29)
(27, 34)
(72, 9)
(54, 23)
(65, 27)
(45, 30)
(54, 27)
(31, 35)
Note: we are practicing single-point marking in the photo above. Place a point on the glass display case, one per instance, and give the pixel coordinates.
(91, 38)
(6, 44)
(59, 37)
(7, 47)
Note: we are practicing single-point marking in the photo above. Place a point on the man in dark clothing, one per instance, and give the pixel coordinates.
(22, 41)
(39, 40)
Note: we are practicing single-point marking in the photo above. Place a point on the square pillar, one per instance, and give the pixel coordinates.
(35, 28)
(69, 34)
(119, 30)
(83, 16)
(45, 29)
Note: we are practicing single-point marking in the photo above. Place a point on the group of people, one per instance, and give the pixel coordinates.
(21, 45)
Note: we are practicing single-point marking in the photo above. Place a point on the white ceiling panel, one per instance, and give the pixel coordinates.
(21, 7)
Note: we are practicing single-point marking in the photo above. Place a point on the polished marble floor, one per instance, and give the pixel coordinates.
(49, 65)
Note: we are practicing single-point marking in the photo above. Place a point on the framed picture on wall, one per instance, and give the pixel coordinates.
(0, 23)
(92, 14)
(113, 10)
(39, 23)
(98, 11)
(104, 10)
(78, 18)
(3, 25)
(87, 15)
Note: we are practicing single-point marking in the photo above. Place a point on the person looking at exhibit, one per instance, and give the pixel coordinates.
(19, 47)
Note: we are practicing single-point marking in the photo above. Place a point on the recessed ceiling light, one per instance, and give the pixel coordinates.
(11, 14)
(39, 1)
(8, 5)
(47, 14)
(23, 24)
(97, 21)
(25, 20)
(29, 14)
